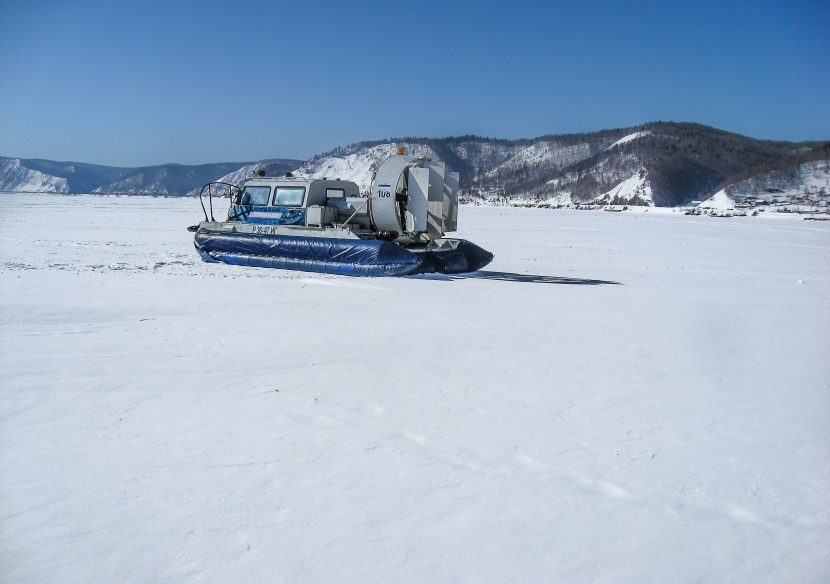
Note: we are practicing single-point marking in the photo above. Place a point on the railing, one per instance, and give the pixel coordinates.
(232, 191)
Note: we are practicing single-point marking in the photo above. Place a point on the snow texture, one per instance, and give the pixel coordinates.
(620, 397)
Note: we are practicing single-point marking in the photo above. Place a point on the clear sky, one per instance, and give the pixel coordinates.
(147, 82)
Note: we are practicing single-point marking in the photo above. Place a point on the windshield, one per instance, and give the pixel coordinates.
(255, 195)
(289, 196)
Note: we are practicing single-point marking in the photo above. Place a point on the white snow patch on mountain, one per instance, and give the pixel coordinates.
(360, 166)
(719, 201)
(637, 185)
(629, 138)
(17, 178)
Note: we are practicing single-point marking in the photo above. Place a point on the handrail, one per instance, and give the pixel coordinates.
(209, 188)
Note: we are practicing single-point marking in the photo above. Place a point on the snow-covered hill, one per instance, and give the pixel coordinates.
(16, 178)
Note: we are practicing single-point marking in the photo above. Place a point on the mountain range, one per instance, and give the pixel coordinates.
(660, 163)
(48, 176)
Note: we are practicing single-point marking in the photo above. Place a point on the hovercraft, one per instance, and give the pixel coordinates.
(328, 226)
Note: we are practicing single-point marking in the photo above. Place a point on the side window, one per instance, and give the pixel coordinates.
(253, 195)
(289, 196)
(335, 193)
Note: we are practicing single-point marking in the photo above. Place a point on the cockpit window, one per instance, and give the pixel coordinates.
(253, 195)
(289, 196)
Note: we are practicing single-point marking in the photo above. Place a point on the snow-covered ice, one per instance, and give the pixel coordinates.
(619, 397)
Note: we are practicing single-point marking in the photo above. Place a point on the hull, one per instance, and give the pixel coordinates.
(348, 257)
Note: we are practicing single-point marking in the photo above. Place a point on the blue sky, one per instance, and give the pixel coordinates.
(145, 82)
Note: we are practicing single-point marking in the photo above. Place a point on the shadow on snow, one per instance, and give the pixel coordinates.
(511, 277)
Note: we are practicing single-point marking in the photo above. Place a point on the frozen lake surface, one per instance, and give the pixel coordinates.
(618, 397)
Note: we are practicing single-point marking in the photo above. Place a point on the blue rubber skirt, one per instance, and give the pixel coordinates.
(348, 257)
